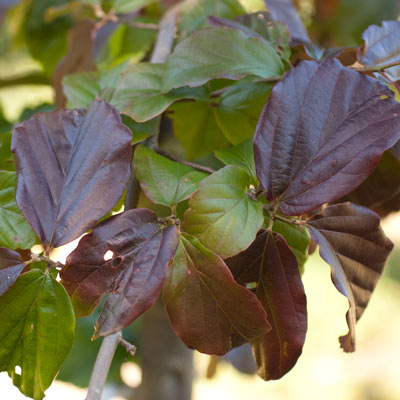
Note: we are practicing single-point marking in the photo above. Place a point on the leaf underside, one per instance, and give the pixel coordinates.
(11, 265)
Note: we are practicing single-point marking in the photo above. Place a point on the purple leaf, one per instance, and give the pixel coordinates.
(205, 304)
(73, 167)
(382, 47)
(275, 269)
(352, 242)
(11, 265)
(141, 250)
(322, 132)
(284, 11)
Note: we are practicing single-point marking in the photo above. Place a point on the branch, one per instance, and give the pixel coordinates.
(170, 156)
(102, 365)
(33, 78)
(376, 68)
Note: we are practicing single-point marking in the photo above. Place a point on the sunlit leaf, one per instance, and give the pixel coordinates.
(352, 242)
(64, 158)
(164, 181)
(331, 134)
(205, 303)
(36, 333)
(222, 215)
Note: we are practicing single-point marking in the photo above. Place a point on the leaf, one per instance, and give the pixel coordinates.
(239, 109)
(140, 94)
(134, 275)
(241, 155)
(204, 302)
(222, 215)
(352, 242)
(164, 181)
(7, 162)
(381, 190)
(195, 13)
(79, 57)
(195, 126)
(142, 131)
(297, 238)
(326, 139)
(36, 333)
(15, 231)
(382, 47)
(220, 53)
(11, 265)
(127, 6)
(64, 158)
(284, 11)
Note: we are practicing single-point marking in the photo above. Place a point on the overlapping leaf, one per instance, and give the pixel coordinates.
(352, 242)
(331, 134)
(382, 47)
(164, 181)
(222, 215)
(11, 265)
(134, 275)
(15, 231)
(284, 11)
(65, 158)
(127, 6)
(6, 157)
(205, 303)
(270, 263)
(36, 333)
(220, 53)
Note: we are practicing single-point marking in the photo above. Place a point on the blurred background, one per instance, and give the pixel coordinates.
(323, 371)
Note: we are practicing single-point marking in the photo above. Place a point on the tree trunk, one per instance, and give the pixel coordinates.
(167, 364)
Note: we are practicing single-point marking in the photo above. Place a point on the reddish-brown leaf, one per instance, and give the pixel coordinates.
(205, 304)
(322, 132)
(73, 166)
(11, 265)
(352, 242)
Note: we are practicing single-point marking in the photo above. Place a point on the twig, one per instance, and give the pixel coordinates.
(130, 348)
(394, 83)
(376, 68)
(170, 156)
(102, 366)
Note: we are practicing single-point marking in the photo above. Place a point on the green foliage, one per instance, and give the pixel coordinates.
(36, 333)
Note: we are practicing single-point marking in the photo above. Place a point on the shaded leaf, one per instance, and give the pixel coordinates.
(222, 215)
(382, 47)
(195, 13)
(142, 131)
(140, 94)
(134, 275)
(239, 109)
(127, 6)
(164, 181)
(36, 333)
(330, 135)
(195, 126)
(220, 53)
(352, 242)
(15, 231)
(11, 265)
(381, 190)
(7, 162)
(205, 303)
(284, 11)
(241, 155)
(65, 158)
(79, 57)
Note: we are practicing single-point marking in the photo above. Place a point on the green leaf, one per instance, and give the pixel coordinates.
(220, 53)
(241, 155)
(36, 331)
(240, 108)
(127, 6)
(141, 131)
(297, 238)
(7, 162)
(15, 231)
(221, 213)
(139, 93)
(164, 181)
(195, 13)
(195, 126)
